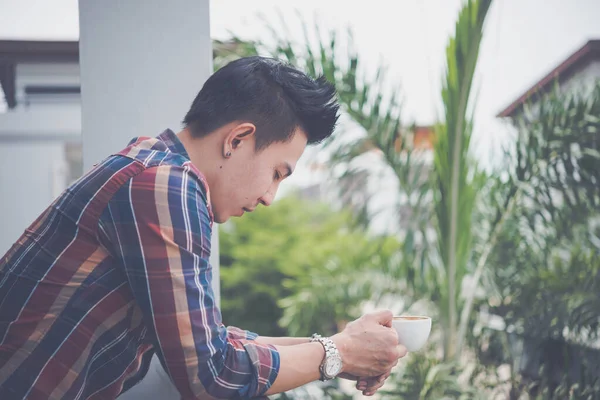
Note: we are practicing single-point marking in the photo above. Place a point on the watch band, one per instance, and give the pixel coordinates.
(331, 353)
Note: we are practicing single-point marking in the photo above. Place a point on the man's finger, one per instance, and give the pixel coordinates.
(370, 390)
(402, 351)
(384, 317)
(366, 383)
(375, 384)
(362, 384)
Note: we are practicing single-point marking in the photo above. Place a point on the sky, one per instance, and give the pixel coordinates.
(523, 41)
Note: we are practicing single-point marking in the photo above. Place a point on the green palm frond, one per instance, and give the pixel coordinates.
(455, 194)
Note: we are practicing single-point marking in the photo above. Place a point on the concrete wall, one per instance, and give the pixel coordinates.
(27, 185)
(32, 166)
(142, 64)
(584, 81)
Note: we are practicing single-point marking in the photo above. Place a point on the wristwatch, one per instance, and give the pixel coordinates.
(332, 362)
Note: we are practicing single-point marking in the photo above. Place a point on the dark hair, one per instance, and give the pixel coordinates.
(272, 95)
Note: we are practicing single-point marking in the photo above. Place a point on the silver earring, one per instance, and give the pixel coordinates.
(228, 154)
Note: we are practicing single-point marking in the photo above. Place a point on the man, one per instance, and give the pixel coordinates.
(116, 269)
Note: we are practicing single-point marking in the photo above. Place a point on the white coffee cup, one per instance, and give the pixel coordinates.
(413, 330)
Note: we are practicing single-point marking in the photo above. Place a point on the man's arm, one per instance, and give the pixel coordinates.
(240, 334)
(282, 341)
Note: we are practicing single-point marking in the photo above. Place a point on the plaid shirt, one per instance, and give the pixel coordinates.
(113, 271)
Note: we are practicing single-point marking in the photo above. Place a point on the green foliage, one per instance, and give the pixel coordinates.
(325, 391)
(226, 51)
(333, 293)
(455, 190)
(530, 238)
(565, 390)
(423, 376)
(546, 262)
(278, 254)
(558, 164)
(558, 155)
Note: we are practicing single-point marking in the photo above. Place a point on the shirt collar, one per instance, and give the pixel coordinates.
(169, 138)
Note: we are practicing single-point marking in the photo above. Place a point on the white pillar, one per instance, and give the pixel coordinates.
(142, 63)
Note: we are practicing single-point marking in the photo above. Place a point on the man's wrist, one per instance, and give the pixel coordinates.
(331, 365)
(342, 345)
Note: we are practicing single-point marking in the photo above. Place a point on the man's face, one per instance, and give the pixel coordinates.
(249, 178)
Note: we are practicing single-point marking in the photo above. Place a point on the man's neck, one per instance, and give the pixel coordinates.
(203, 152)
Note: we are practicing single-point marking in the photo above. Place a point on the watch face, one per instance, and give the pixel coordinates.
(333, 367)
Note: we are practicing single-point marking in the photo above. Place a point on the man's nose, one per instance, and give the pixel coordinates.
(268, 197)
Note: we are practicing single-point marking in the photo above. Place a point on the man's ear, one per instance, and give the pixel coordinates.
(240, 134)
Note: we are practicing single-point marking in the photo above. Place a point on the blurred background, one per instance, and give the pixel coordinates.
(463, 181)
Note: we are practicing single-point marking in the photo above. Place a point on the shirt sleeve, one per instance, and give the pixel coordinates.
(159, 228)
(240, 334)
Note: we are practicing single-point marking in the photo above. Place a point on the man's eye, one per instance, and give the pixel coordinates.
(277, 176)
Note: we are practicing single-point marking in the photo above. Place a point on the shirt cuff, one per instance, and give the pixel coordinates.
(266, 361)
(240, 334)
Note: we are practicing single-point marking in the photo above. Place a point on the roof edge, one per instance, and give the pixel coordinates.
(566, 68)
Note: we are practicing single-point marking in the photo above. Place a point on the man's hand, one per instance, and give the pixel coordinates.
(369, 347)
(368, 386)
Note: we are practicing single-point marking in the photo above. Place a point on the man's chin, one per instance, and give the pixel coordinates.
(221, 219)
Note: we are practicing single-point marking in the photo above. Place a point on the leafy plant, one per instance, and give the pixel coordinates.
(546, 262)
(530, 239)
(332, 294)
(454, 168)
(425, 377)
(270, 260)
